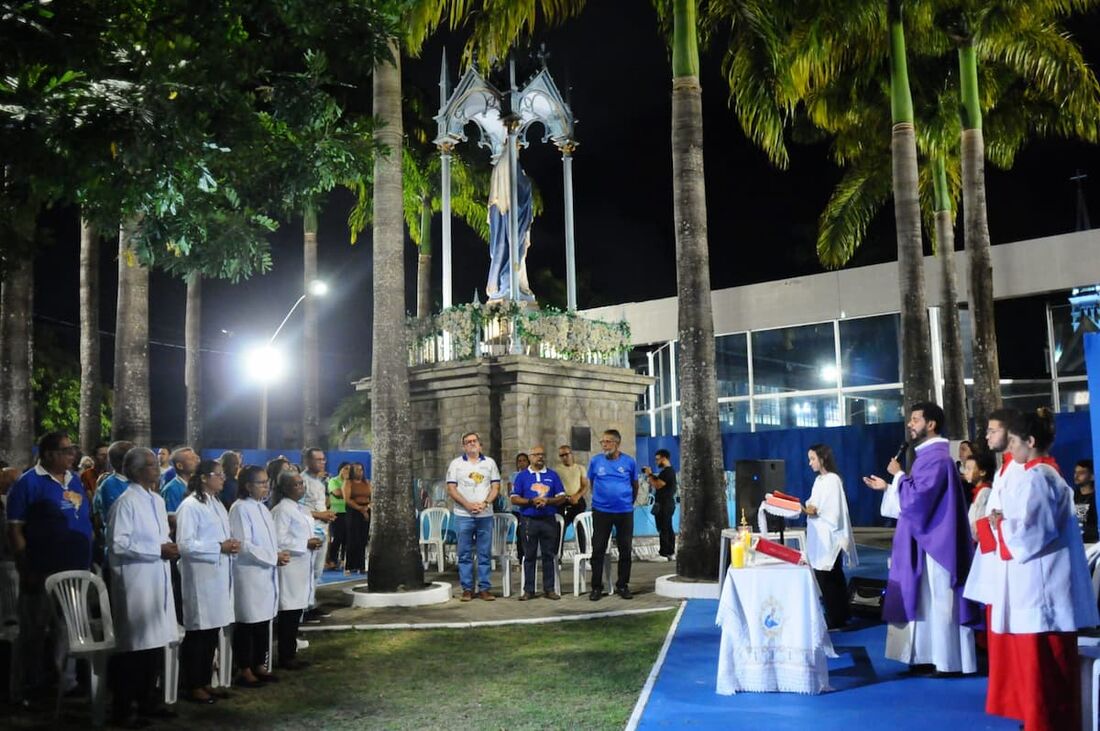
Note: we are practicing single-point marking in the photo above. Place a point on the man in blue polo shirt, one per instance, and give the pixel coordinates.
(538, 491)
(614, 478)
(50, 527)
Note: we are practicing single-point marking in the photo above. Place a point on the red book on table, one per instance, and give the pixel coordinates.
(778, 550)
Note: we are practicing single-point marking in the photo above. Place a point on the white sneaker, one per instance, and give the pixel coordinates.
(303, 644)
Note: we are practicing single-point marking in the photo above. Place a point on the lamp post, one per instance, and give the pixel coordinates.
(265, 363)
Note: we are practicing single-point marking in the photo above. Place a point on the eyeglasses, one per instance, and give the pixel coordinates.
(538, 454)
(258, 482)
(218, 474)
(470, 441)
(564, 454)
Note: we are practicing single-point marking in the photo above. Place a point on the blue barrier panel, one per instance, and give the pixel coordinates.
(1092, 367)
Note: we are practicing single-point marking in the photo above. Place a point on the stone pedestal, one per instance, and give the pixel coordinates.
(515, 402)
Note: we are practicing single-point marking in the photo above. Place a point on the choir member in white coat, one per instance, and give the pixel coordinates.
(255, 584)
(294, 531)
(139, 551)
(828, 534)
(1044, 594)
(206, 576)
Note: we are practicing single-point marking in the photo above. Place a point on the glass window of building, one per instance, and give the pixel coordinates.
(732, 363)
(733, 416)
(869, 349)
(794, 358)
(797, 411)
(874, 407)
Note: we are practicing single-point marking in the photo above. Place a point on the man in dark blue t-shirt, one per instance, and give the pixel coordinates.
(614, 478)
(538, 491)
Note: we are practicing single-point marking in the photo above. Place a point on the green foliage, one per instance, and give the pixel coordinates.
(55, 383)
(352, 416)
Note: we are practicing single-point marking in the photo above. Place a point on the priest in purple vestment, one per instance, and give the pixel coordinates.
(929, 618)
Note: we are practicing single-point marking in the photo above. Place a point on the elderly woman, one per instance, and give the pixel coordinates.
(255, 585)
(139, 551)
(202, 533)
(294, 531)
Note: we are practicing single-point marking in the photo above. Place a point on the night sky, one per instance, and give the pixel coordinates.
(762, 225)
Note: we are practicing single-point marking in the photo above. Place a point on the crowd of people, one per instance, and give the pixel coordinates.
(203, 544)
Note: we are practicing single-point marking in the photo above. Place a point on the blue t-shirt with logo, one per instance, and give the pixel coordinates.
(530, 485)
(613, 483)
(173, 493)
(109, 490)
(56, 519)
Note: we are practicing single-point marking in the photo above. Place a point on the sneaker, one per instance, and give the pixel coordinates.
(662, 558)
(624, 593)
(553, 595)
(486, 596)
(595, 595)
(526, 596)
(467, 595)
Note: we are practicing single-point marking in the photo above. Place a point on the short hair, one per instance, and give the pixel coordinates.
(231, 462)
(99, 446)
(931, 412)
(135, 460)
(1086, 463)
(1037, 425)
(282, 485)
(524, 455)
(984, 459)
(614, 433)
(470, 434)
(51, 441)
(663, 453)
(1006, 415)
(116, 452)
(247, 474)
(205, 469)
(309, 451)
(177, 454)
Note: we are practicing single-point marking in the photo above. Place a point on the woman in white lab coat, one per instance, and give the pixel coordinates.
(206, 576)
(255, 584)
(143, 608)
(828, 534)
(294, 531)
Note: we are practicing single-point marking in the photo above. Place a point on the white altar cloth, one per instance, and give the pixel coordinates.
(774, 636)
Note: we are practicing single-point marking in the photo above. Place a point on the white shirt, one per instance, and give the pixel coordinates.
(255, 586)
(293, 529)
(986, 570)
(206, 574)
(474, 479)
(142, 603)
(315, 500)
(830, 531)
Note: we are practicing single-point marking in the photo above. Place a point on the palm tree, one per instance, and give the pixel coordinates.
(131, 408)
(91, 379)
(16, 341)
(311, 376)
(954, 388)
(192, 369)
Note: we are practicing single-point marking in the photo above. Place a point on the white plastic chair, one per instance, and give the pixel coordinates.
(1088, 651)
(436, 519)
(70, 590)
(171, 677)
(557, 561)
(581, 561)
(504, 525)
(223, 676)
(9, 624)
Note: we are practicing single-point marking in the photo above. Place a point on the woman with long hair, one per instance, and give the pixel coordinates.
(206, 548)
(255, 583)
(828, 533)
(294, 534)
(338, 532)
(1043, 593)
(357, 494)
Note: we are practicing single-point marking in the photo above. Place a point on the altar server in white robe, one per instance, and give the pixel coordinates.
(143, 608)
(255, 584)
(206, 577)
(295, 536)
(828, 534)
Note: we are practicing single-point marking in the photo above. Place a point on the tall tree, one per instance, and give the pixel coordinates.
(131, 416)
(311, 356)
(954, 387)
(192, 369)
(702, 515)
(16, 338)
(91, 379)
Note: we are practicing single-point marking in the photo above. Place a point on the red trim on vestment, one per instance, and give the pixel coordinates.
(1006, 460)
(1042, 460)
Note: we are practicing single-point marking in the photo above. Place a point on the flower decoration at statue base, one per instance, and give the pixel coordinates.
(475, 330)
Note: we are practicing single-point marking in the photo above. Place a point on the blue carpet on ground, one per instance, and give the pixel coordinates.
(332, 576)
(868, 690)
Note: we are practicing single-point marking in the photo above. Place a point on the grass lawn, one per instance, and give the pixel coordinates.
(583, 674)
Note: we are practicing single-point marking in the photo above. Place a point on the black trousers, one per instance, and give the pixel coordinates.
(602, 523)
(132, 677)
(521, 535)
(197, 658)
(250, 645)
(358, 536)
(541, 535)
(834, 593)
(337, 538)
(569, 513)
(286, 631)
(662, 514)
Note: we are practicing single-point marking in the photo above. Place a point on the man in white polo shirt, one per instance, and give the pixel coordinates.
(473, 482)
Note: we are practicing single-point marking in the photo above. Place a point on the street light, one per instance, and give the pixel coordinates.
(266, 364)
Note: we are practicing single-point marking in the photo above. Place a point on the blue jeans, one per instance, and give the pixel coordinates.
(467, 529)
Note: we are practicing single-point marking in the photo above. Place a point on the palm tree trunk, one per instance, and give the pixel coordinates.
(311, 365)
(703, 512)
(916, 366)
(130, 419)
(192, 369)
(987, 371)
(91, 377)
(394, 554)
(954, 390)
(17, 362)
(424, 261)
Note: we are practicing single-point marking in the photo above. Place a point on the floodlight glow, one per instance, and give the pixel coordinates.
(828, 373)
(872, 409)
(264, 364)
(317, 288)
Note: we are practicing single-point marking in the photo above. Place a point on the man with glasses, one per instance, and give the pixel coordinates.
(576, 486)
(50, 529)
(614, 478)
(473, 482)
(538, 492)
